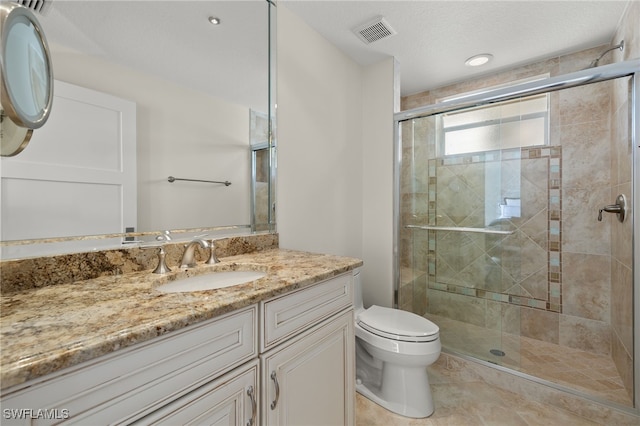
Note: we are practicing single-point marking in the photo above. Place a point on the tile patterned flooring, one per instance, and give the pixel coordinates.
(583, 371)
(470, 403)
(462, 398)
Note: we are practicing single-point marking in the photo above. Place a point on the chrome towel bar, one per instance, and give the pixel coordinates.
(461, 229)
(173, 179)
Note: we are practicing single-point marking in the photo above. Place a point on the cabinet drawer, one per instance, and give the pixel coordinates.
(286, 315)
(130, 383)
(230, 400)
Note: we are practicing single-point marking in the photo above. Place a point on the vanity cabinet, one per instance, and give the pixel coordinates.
(128, 384)
(288, 360)
(307, 356)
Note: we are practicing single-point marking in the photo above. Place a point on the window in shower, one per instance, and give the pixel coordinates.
(514, 124)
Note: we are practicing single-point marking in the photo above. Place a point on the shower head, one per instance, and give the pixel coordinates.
(595, 62)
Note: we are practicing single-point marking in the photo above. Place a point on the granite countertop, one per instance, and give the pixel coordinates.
(47, 329)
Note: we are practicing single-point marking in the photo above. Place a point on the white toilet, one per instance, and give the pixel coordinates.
(393, 350)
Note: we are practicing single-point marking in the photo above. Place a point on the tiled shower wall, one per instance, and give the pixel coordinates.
(521, 268)
(621, 235)
(548, 280)
(590, 307)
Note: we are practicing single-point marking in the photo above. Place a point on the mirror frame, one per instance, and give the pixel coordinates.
(9, 14)
(13, 138)
(18, 127)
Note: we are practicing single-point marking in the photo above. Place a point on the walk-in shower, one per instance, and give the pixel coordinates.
(498, 241)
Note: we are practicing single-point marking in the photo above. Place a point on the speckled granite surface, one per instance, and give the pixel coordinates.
(30, 273)
(43, 330)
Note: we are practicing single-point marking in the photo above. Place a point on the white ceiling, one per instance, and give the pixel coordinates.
(434, 38)
(172, 39)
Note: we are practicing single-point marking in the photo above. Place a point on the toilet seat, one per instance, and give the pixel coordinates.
(398, 325)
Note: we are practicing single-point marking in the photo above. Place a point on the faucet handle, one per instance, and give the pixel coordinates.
(619, 208)
(213, 259)
(164, 236)
(162, 267)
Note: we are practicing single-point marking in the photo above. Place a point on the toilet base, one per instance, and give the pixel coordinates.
(413, 401)
(394, 407)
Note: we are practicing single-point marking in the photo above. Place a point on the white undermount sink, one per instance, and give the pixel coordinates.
(210, 281)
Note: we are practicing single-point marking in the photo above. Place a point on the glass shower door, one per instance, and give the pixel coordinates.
(463, 212)
(499, 239)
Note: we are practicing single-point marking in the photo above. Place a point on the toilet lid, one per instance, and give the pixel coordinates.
(398, 325)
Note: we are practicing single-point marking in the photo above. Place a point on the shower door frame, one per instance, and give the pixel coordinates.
(593, 75)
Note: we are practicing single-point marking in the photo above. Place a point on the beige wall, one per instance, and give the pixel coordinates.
(319, 183)
(335, 168)
(379, 97)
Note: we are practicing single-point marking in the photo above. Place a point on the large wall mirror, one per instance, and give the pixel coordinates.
(144, 91)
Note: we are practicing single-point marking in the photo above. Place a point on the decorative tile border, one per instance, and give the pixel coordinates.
(555, 231)
(553, 155)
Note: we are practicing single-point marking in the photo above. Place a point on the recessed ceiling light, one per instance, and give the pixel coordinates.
(478, 60)
(214, 20)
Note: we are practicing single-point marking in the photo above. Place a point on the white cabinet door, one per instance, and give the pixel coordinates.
(231, 400)
(310, 380)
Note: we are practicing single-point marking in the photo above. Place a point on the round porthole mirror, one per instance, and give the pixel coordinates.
(26, 77)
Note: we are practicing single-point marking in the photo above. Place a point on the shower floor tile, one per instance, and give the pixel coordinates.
(583, 371)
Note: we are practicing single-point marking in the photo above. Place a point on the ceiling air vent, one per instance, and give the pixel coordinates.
(39, 6)
(374, 30)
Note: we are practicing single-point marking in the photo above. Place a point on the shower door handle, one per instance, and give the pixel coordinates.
(619, 208)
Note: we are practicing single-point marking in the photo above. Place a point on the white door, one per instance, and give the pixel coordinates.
(77, 176)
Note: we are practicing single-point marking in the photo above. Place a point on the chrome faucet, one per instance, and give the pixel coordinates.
(188, 258)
